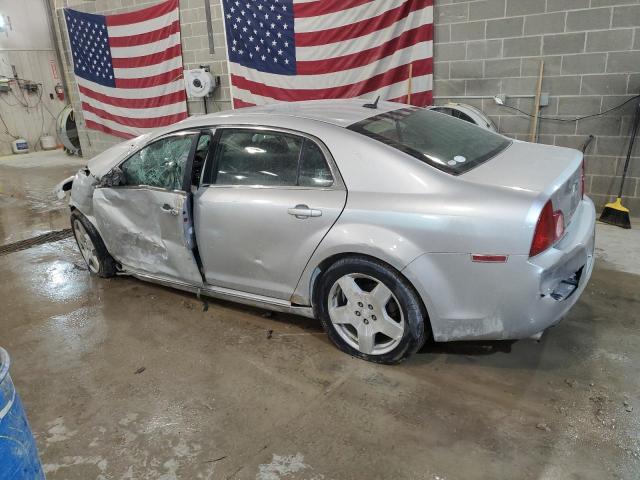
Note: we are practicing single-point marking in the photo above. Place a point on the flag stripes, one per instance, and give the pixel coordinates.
(339, 48)
(128, 68)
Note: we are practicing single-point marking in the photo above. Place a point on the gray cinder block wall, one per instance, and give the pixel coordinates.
(591, 50)
(195, 52)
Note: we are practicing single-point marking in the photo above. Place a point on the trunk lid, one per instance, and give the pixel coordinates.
(554, 171)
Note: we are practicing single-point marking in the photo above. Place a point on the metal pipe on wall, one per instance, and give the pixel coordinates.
(59, 56)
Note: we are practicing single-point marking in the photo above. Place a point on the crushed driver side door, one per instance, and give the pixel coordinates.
(141, 216)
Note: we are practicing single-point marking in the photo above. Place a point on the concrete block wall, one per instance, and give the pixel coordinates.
(195, 52)
(591, 50)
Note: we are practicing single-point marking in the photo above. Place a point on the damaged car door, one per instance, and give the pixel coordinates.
(141, 209)
(265, 203)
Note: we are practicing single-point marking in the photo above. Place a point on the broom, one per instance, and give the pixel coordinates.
(614, 213)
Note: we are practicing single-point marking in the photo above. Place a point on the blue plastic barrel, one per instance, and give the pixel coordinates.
(18, 453)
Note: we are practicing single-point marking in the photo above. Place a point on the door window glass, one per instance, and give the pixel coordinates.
(314, 171)
(250, 157)
(160, 164)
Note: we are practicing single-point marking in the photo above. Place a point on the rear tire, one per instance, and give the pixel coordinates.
(370, 311)
(92, 248)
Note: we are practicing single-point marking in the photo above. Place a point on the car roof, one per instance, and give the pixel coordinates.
(342, 112)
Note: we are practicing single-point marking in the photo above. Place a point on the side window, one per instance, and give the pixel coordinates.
(253, 157)
(314, 171)
(160, 164)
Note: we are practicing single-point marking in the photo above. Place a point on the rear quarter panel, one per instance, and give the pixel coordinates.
(399, 208)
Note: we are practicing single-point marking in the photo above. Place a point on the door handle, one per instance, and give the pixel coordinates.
(303, 211)
(166, 208)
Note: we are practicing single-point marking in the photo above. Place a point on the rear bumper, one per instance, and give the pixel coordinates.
(512, 300)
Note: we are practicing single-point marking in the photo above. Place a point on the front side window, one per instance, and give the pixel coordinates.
(444, 142)
(257, 157)
(160, 164)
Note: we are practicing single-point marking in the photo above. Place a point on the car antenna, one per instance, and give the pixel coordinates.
(373, 105)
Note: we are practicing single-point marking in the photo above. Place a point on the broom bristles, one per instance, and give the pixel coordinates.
(615, 214)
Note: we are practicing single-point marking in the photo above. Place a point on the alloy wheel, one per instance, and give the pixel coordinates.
(366, 314)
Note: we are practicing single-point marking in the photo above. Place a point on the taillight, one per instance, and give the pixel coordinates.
(582, 179)
(549, 229)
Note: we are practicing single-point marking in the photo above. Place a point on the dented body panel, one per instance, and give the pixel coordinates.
(143, 235)
(509, 300)
(385, 204)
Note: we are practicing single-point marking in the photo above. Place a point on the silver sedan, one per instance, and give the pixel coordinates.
(389, 223)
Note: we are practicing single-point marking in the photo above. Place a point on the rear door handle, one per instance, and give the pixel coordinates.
(166, 208)
(303, 211)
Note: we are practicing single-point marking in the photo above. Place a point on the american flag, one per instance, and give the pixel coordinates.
(291, 50)
(128, 68)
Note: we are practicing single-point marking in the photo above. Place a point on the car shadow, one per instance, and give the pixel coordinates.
(475, 347)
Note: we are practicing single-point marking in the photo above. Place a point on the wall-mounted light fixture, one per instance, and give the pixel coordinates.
(5, 24)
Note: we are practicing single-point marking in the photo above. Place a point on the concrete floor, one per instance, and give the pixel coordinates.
(123, 379)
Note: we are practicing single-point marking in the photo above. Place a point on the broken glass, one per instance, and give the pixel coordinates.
(160, 164)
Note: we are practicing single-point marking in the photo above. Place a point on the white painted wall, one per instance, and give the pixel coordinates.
(27, 44)
(29, 27)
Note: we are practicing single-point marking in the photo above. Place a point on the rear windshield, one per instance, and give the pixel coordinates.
(445, 142)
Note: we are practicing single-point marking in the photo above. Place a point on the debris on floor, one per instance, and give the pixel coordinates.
(543, 426)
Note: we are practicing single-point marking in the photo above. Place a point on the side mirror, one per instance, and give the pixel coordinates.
(114, 178)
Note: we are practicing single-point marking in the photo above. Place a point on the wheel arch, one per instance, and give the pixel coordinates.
(326, 263)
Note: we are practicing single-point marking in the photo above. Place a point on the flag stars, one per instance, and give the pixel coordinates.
(265, 35)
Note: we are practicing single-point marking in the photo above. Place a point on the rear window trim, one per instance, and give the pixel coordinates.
(358, 127)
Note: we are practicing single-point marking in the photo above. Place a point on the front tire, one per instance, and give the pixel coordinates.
(370, 311)
(93, 250)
